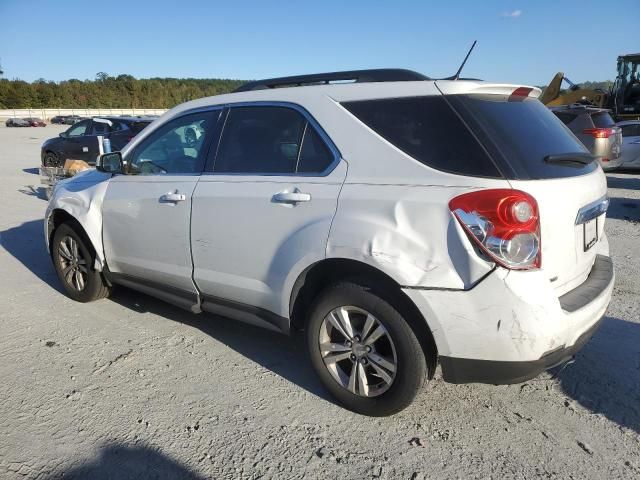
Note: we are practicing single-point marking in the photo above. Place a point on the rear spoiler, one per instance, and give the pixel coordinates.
(482, 88)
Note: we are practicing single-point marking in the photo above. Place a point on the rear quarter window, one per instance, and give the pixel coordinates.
(428, 130)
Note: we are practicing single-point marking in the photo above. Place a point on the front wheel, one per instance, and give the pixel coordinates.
(73, 261)
(51, 160)
(364, 351)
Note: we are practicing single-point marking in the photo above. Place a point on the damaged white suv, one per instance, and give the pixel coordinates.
(400, 222)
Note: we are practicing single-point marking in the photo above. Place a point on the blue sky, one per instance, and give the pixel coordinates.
(518, 41)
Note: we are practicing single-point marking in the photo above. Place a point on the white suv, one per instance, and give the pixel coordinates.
(400, 222)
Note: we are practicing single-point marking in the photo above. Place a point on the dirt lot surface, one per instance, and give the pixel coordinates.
(130, 387)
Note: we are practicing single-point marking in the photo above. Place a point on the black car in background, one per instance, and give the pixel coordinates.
(71, 119)
(58, 119)
(80, 141)
(17, 122)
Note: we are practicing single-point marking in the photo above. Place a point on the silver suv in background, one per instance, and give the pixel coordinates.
(596, 129)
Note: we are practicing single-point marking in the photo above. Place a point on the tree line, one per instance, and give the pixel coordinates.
(125, 91)
(122, 91)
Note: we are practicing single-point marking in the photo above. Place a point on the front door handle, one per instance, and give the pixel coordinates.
(173, 197)
(291, 198)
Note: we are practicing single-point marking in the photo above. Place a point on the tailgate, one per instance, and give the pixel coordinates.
(569, 233)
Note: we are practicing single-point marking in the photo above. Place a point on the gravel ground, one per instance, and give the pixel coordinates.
(130, 387)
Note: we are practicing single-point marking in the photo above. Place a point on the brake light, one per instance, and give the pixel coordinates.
(520, 94)
(504, 223)
(599, 132)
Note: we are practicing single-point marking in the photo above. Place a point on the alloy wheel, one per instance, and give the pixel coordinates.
(358, 351)
(72, 263)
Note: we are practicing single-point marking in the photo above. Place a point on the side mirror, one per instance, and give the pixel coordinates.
(63, 134)
(110, 163)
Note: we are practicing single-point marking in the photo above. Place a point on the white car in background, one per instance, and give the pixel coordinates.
(630, 154)
(400, 222)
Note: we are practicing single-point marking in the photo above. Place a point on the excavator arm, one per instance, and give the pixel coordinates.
(552, 97)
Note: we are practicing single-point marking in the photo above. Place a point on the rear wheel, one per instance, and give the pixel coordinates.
(364, 351)
(73, 260)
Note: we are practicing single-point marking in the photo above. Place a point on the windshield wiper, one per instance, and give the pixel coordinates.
(576, 158)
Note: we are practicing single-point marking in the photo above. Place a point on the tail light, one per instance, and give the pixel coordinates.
(599, 132)
(504, 223)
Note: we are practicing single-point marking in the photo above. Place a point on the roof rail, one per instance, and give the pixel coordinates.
(356, 76)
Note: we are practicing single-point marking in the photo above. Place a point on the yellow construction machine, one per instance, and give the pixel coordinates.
(623, 98)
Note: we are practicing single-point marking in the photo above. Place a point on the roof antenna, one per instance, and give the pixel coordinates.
(457, 75)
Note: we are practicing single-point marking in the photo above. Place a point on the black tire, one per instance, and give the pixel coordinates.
(51, 160)
(92, 282)
(411, 364)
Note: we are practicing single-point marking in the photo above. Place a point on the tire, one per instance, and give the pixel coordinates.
(384, 390)
(74, 265)
(51, 160)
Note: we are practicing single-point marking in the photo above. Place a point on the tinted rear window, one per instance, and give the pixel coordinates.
(427, 129)
(519, 133)
(565, 117)
(603, 119)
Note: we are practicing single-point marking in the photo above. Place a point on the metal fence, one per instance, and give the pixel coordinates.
(47, 113)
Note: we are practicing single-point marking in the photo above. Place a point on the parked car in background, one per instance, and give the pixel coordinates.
(398, 221)
(596, 129)
(58, 119)
(630, 143)
(35, 122)
(71, 119)
(17, 122)
(80, 142)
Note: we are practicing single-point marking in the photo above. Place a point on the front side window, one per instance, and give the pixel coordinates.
(177, 147)
(79, 129)
(100, 128)
(271, 141)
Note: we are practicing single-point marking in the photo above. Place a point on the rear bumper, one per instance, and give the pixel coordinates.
(464, 370)
(512, 326)
(611, 164)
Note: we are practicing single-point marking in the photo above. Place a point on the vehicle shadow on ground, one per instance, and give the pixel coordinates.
(624, 209)
(605, 378)
(39, 192)
(116, 461)
(34, 171)
(26, 243)
(283, 355)
(627, 182)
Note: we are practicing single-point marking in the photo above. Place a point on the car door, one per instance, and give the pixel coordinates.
(263, 209)
(146, 213)
(77, 141)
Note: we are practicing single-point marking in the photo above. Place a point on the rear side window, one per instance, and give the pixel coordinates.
(519, 133)
(427, 129)
(270, 141)
(602, 120)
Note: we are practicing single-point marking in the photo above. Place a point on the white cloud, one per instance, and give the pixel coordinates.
(514, 14)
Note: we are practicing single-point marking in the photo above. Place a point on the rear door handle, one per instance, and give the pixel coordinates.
(173, 197)
(291, 197)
